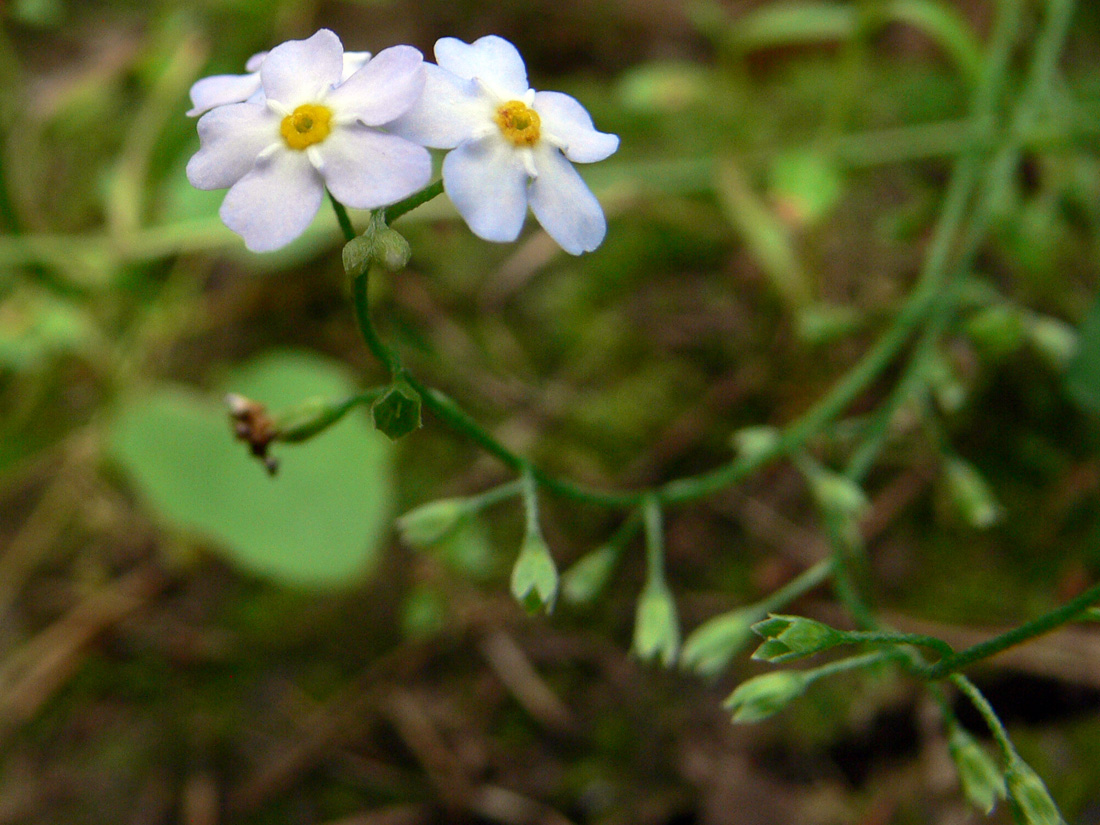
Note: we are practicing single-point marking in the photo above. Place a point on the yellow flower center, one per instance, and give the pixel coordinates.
(519, 123)
(310, 123)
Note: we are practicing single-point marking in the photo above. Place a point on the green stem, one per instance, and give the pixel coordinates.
(654, 542)
(887, 637)
(851, 663)
(1036, 627)
(992, 721)
(414, 200)
(342, 217)
(804, 582)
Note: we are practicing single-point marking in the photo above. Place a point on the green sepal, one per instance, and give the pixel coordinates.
(432, 522)
(711, 646)
(656, 625)
(792, 637)
(397, 412)
(765, 695)
(379, 244)
(981, 780)
(1028, 796)
(535, 576)
(588, 576)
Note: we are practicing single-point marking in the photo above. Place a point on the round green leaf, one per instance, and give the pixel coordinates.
(319, 522)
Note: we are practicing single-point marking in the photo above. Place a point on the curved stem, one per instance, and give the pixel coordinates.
(1037, 627)
(414, 200)
(992, 721)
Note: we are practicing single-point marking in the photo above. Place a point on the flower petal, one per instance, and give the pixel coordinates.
(564, 204)
(366, 169)
(230, 138)
(566, 119)
(221, 90)
(254, 62)
(353, 62)
(275, 202)
(383, 90)
(450, 110)
(491, 59)
(303, 71)
(487, 182)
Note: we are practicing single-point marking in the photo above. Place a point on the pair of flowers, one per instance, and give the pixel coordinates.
(309, 116)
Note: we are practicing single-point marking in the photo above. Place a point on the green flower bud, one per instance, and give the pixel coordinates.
(838, 495)
(971, 494)
(792, 637)
(751, 442)
(656, 625)
(1056, 340)
(396, 413)
(1030, 800)
(379, 244)
(431, 522)
(764, 696)
(312, 417)
(711, 646)
(588, 576)
(535, 577)
(997, 330)
(982, 781)
(391, 250)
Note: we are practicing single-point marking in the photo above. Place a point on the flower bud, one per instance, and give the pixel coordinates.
(431, 522)
(982, 781)
(1055, 340)
(838, 495)
(752, 442)
(764, 696)
(792, 637)
(396, 413)
(711, 646)
(656, 625)
(1030, 800)
(391, 250)
(588, 576)
(997, 329)
(970, 494)
(309, 418)
(534, 576)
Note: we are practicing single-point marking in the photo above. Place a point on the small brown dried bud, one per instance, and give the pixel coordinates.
(253, 425)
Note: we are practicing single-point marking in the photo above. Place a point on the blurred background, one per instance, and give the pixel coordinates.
(186, 640)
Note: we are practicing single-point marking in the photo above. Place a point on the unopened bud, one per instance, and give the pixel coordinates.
(981, 780)
(656, 625)
(588, 576)
(997, 330)
(432, 522)
(764, 696)
(792, 637)
(752, 442)
(971, 494)
(534, 576)
(711, 646)
(1030, 800)
(396, 413)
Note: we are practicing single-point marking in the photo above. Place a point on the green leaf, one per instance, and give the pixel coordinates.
(1083, 375)
(319, 523)
(397, 412)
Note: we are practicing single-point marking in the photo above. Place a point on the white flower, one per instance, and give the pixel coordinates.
(311, 131)
(223, 89)
(511, 146)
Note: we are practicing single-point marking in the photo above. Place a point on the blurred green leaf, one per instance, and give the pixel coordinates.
(1083, 375)
(35, 326)
(804, 187)
(319, 522)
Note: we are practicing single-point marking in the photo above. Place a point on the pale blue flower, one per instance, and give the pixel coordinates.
(223, 89)
(311, 130)
(511, 146)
